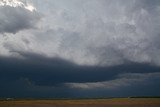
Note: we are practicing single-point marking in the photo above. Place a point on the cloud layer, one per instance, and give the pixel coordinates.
(16, 16)
(94, 32)
(123, 80)
(38, 76)
(83, 48)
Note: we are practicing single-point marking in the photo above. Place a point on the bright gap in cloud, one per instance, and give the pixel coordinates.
(17, 3)
(123, 80)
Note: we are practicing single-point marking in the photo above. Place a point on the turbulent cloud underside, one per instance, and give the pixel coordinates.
(77, 47)
(88, 32)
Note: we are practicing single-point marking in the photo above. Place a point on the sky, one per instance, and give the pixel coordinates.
(79, 48)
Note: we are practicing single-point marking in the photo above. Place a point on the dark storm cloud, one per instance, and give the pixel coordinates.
(47, 71)
(14, 19)
(81, 48)
(36, 74)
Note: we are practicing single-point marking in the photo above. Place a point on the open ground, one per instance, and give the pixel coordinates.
(113, 102)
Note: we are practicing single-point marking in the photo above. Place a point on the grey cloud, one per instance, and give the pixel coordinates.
(58, 70)
(81, 44)
(104, 33)
(55, 77)
(123, 80)
(14, 19)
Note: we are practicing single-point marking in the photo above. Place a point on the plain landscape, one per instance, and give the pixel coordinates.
(110, 102)
(79, 53)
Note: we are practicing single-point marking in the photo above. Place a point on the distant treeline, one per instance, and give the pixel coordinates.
(144, 97)
(11, 99)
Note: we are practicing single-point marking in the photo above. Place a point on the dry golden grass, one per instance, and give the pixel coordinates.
(116, 102)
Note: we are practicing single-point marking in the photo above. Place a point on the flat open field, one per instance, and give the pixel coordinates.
(115, 102)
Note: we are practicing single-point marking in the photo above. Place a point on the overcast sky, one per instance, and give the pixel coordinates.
(79, 48)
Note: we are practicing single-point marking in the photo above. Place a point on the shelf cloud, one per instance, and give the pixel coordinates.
(77, 48)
